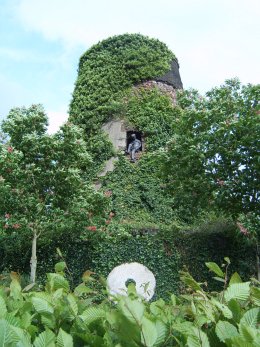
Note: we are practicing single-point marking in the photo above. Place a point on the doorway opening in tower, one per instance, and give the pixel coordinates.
(130, 138)
(134, 145)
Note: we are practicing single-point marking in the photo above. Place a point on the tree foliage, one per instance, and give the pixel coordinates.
(213, 157)
(43, 190)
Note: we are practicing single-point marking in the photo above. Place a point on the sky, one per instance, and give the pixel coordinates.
(41, 42)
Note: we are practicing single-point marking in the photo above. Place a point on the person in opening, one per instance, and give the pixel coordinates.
(133, 147)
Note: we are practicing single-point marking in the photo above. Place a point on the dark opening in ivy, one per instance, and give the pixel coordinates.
(129, 138)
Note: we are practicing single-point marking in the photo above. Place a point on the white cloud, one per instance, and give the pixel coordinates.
(213, 40)
(56, 119)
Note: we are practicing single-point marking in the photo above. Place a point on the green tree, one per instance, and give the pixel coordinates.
(42, 185)
(213, 159)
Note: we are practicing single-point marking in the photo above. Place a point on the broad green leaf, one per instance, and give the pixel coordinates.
(216, 269)
(251, 317)
(3, 309)
(190, 281)
(60, 267)
(207, 309)
(26, 320)
(256, 342)
(23, 336)
(247, 332)
(255, 296)
(42, 306)
(184, 327)
(236, 309)
(58, 281)
(16, 289)
(57, 294)
(132, 309)
(91, 314)
(227, 313)
(64, 339)
(157, 307)
(82, 289)
(225, 330)
(161, 333)
(72, 304)
(200, 320)
(148, 332)
(43, 295)
(235, 278)
(45, 339)
(61, 282)
(197, 338)
(48, 320)
(238, 341)
(239, 291)
(7, 335)
(12, 320)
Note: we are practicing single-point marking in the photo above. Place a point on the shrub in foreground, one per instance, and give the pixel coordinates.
(56, 316)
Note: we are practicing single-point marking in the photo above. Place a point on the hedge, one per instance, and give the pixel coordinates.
(164, 255)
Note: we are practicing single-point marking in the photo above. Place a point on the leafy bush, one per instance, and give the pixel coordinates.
(59, 317)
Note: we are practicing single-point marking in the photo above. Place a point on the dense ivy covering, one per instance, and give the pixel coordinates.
(110, 67)
(164, 249)
(153, 112)
(138, 194)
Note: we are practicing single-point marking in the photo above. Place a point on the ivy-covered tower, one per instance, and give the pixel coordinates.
(111, 75)
(128, 84)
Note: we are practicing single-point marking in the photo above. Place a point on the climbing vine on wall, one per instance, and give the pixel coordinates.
(107, 69)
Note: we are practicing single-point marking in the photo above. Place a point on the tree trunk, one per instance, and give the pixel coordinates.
(33, 261)
(257, 261)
